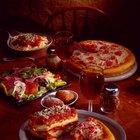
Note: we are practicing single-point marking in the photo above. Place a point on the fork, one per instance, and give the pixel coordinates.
(8, 59)
(13, 33)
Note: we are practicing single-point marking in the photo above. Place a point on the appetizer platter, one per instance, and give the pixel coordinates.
(59, 97)
(22, 85)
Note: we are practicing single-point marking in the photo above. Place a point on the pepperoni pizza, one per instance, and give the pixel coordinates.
(114, 59)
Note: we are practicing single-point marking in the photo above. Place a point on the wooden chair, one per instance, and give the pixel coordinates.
(85, 22)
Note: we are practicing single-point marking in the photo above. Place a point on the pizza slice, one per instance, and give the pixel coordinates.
(91, 129)
(52, 122)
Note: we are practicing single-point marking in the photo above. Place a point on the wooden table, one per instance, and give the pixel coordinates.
(127, 115)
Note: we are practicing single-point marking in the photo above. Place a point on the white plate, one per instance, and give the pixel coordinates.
(116, 129)
(123, 76)
(54, 93)
(115, 78)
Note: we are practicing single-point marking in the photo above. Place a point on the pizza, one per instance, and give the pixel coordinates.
(62, 120)
(27, 83)
(28, 41)
(52, 122)
(91, 129)
(114, 59)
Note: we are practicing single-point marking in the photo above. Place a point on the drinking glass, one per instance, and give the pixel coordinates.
(63, 45)
(91, 83)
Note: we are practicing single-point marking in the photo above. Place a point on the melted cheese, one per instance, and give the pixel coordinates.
(52, 110)
(56, 124)
(51, 122)
(89, 129)
(107, 55)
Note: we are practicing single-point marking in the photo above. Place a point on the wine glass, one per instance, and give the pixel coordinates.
(91, 83)
(63, 45)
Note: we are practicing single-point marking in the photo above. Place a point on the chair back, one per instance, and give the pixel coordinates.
(85, 22)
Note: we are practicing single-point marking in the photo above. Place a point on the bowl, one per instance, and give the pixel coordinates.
(27, 49)
(50, 101)
(53, 94)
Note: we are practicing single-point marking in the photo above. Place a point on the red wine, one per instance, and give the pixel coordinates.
(91, 85)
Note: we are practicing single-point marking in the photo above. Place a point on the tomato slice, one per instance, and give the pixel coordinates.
(31, 87)
(57, 76)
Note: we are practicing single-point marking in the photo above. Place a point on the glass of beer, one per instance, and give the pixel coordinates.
(91, 83)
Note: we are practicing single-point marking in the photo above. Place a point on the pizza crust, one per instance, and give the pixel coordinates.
(122, 68)
(51, 134)
(108, 134)
(116, 70)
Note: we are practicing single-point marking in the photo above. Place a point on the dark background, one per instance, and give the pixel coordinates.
(125, 15)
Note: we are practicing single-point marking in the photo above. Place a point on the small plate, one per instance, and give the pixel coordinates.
(53, 95)
(50, 101)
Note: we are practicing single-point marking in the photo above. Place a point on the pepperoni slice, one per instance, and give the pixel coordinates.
(118, 53)
(109, 63)
(105, 52)
(90, 58)
(77, 53)
(90, 47)
(104, 47)
(113, 57)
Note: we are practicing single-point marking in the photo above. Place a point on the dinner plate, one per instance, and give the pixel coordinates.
(115, 127)
(115, 78)
(53, 95)
(50, 40)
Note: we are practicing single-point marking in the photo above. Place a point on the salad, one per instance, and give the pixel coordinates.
(29, 82)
